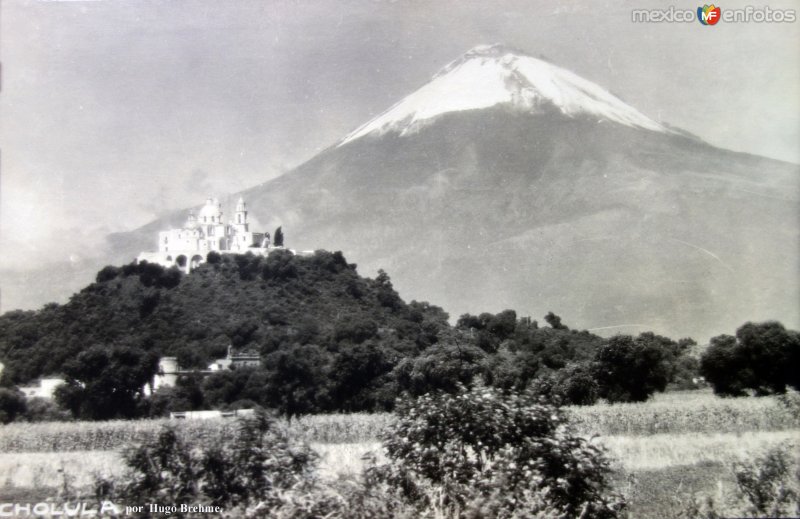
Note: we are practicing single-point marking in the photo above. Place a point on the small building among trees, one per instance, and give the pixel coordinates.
(169, 370)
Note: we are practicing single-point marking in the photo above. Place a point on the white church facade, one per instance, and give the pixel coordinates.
(188, 246)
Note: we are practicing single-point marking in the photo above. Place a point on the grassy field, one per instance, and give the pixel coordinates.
(668, 413)
(115, 434)
(663, 450)
(684, 412)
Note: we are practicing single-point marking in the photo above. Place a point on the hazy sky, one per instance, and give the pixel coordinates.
(113, 111)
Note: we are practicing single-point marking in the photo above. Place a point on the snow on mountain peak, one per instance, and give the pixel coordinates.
(490, 75)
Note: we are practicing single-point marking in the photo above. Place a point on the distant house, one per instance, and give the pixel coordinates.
(45, 389)
(206, 415)
(169, 370)
(236, 360)
(242, 360)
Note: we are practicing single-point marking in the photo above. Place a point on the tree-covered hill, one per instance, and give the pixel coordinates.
(249, 302)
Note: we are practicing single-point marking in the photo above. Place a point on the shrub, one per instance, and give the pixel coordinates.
(254, 466)
(43, 410)
(770, 484)
(489, 454)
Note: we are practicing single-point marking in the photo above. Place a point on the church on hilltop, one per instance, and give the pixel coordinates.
(188, 246)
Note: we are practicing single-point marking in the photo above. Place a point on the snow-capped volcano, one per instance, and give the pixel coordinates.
(508, 182)
(492, 75)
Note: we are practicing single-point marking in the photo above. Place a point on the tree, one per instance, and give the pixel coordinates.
(108, 273)
(214, 257)
(297, 380)
(630, 370)
(12, 404)
(554, 321)
(355, 329)
(356, 372)
(489, 330)
(185, 395)
(506, 369)
(104, 383)
(386, 293)
(724, 368)
(452, 361)
(224, 386)
(762, 357)
(279, 265)
(572, 385)
(277, 240)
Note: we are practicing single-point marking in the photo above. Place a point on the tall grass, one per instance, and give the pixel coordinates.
(53, 469)
(686, 412)
(341, 428)
(115, 434)
(671, 413)
(100, 436)
(660, 451)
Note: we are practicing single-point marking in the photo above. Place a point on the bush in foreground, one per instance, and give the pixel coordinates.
(483, 453)
(771, 484)
(478, 453)
(768, 486)
(252, 468)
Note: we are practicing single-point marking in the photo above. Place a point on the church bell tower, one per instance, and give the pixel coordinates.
(240, 216)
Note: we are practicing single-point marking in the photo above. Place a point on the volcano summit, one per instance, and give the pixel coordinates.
(493, 75)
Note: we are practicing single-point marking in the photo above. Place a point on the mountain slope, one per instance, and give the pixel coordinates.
(491, 209)
(508, 182)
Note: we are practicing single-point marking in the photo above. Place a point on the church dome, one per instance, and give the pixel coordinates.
(210, 212)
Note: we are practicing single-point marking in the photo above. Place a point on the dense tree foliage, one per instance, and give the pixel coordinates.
(762, 358)
(104, 383)
(329, 340)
